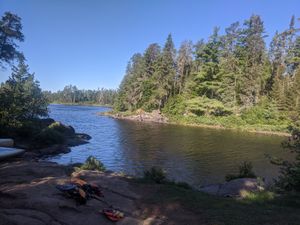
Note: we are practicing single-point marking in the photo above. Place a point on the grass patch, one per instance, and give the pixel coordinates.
(91, 163)
(260, 208)
(155, 174)
(230, 122)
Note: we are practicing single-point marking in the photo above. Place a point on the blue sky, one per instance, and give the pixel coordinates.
(89, 42)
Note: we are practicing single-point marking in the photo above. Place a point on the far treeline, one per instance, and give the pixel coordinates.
(72, 95)
(230, 77)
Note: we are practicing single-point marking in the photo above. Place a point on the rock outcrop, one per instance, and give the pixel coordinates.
(29, 196)
(142, 116)
(234, 188)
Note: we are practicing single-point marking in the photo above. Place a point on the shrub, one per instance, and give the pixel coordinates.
(205, 106)
(259, 197)
(57, 126)
(49, 137)
(263, 113)
(289, 178)
(175, 105)
(91, 163)
(155, 174)
(28, 129)
(245, 171)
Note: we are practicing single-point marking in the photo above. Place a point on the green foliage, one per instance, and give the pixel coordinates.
(259, 197)
(54, 133)
(245, 171)
(91, 163)
(21, 98)
(175, 106)
(289, 178)
(263, 113)
(48, 137)
(206, 106)
(231, 76)
(61, 128)
(10, 32)
(155, 174)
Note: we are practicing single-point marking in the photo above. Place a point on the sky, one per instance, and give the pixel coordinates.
(88, 43)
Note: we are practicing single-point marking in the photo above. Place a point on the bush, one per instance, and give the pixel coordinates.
(245, 171)
(205, 106)
(91, 163)
(263, 113)
(49, 137)
(175, 105)
(289, 178)
(29, 128)
(155, 174)
(61, 128)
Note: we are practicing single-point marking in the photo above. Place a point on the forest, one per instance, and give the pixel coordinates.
(231, 78)
(72, 95)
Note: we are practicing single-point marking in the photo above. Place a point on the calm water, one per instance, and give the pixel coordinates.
(195, 155)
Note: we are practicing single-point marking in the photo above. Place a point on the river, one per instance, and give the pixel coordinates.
(195, 155)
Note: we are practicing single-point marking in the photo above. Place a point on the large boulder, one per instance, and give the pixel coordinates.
(234, 188)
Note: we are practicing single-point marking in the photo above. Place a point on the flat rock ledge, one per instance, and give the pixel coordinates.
(28, 196)
(235, 188)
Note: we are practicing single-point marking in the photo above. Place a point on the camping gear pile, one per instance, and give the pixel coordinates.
(81, 192)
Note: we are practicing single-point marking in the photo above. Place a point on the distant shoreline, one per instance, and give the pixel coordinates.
(80, 104)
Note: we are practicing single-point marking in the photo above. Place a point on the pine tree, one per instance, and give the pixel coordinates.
(184, 64)
(207, 80)
(150, 57)
(21, 97)
(165, 73)
(230, 71)
(253, 53)
(10, 32)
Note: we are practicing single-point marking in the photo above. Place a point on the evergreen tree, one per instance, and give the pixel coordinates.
(165, 73)
(230, 65)
(10, 32)
(184, 64)
(207, 80)
(150, 58)
(21, 97)
(252, 52)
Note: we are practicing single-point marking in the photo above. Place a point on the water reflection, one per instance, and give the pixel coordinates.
(195, 155)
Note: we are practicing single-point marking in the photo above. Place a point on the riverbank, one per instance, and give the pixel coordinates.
(229, 123)
(28, 196)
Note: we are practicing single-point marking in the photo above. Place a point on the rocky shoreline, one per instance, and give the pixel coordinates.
(141, 116)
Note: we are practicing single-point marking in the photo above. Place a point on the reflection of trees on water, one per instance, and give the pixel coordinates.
(194, 154)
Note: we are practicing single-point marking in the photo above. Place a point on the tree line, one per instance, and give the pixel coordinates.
(226, 74)
(72, 95)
